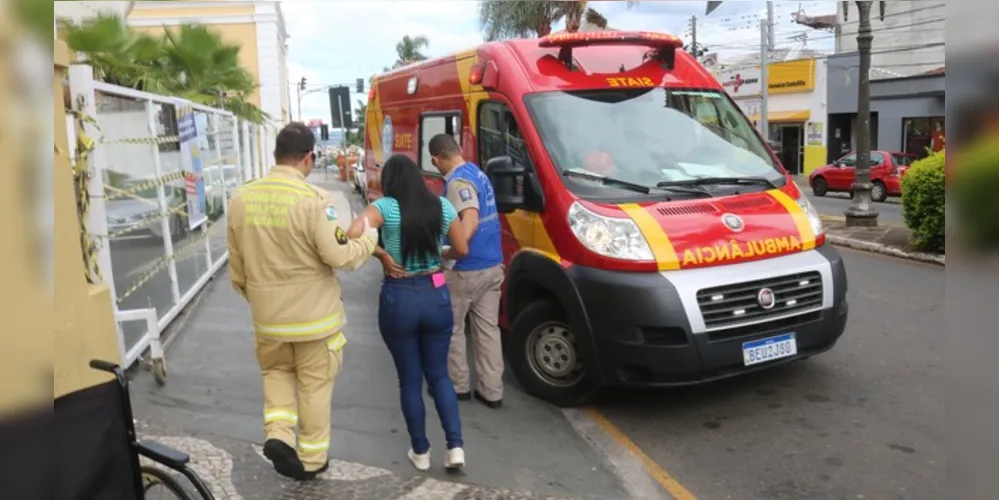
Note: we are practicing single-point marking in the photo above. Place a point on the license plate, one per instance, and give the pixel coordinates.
(769, 349)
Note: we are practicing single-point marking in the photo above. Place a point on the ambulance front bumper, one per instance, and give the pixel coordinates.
(693, 326)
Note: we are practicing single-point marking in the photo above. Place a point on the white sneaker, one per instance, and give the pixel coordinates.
(420, 461)
(455, 458)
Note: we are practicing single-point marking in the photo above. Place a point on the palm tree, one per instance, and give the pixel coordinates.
(502, 19)
(192, 62)
(408, 50)
(360, 114)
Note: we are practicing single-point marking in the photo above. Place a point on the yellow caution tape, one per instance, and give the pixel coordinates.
(138, 188)
(163, 262)
(143, 222)
(167, 139)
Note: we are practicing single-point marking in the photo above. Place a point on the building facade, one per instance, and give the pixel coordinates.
(909, 41)
(257, 26)
(907, 113)
(796, 107)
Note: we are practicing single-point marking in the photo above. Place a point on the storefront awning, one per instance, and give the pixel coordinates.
(785, 116)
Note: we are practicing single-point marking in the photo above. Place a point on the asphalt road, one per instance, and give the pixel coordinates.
(835, 204)
(860, 421)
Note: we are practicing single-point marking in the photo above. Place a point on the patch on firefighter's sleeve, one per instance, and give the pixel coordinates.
(465, 194)
(341, 237)
(330, 213)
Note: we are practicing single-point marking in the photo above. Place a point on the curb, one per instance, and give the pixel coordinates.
(868, 246)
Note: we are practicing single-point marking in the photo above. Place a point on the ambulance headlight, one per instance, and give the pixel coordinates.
(814, 219)
(608, 236)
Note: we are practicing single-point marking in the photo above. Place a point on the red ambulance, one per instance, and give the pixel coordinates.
(651, 237)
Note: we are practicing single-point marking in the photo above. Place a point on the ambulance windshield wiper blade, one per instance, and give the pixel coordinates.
(607, 181)
(724, 181)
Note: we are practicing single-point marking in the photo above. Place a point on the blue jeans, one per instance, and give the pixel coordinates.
(415, 320)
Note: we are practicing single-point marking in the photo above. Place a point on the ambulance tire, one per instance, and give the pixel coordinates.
(545, 318)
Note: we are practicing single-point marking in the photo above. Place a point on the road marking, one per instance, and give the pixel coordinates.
(654, 470)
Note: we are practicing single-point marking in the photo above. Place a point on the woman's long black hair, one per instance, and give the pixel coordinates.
(421, 212)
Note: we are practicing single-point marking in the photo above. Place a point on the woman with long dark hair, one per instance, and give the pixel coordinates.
(414, 308)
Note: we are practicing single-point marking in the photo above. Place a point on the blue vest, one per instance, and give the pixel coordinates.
(485, 247)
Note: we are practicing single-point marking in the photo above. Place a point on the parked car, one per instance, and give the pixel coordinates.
(126, 212)
(887, 169)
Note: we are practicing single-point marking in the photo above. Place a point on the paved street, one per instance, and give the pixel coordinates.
(860, 421)
(857, 422)
(889, 212)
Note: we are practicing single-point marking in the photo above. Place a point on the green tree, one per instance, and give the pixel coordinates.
(502, 19)
(360, 116)
(190, 61)
(408, 50)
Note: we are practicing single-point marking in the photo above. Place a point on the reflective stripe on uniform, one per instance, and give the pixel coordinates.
(265, 186)
(336, 342)
(332, 322)
(275, 415)
(313, 446)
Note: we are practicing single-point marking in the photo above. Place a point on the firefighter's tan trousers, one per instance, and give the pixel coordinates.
(475, 295)
(298, 392)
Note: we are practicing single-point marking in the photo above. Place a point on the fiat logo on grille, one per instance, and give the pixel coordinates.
(766, 299)
(733, 222)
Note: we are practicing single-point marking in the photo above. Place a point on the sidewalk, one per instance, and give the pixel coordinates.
(210, 407)
(884, 239)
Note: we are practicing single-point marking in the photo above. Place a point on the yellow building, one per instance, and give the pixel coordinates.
(258, 26)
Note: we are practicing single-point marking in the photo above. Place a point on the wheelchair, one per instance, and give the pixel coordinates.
(148, 480)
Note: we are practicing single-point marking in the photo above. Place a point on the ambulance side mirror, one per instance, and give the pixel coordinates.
(508, 181)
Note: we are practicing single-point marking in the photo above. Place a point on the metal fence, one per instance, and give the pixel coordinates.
(134, 190)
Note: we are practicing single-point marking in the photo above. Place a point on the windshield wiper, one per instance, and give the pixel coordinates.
(723, 181)
(641, 188)
(608, 181)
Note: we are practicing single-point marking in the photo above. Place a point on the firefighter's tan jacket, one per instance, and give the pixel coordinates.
(285, 242)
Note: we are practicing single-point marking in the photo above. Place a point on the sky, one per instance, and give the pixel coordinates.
(334, 42)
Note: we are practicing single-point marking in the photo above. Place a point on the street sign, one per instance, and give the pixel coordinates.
(340, 108)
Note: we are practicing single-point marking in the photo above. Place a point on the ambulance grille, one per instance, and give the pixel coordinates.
(747, 203)
(686, 210)
(737, 304)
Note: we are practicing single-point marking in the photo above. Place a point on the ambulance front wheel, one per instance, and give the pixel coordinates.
(546, 356)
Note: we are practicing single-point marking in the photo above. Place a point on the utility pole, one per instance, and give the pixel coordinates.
(693, 38)
(861, 212)
(766, 46)
(764, 81)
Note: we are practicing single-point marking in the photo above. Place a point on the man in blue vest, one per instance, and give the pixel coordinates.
(475, 280)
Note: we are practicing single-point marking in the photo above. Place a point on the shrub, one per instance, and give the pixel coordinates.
(923, 205)
(975, 190)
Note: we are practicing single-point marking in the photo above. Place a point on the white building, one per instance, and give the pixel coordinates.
(909, 41)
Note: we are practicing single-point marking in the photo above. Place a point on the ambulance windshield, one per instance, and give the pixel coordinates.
(650, 136)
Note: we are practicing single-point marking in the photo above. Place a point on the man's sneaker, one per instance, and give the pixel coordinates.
(492, 404)
(284, 458)
(420, 461)
(455, 458)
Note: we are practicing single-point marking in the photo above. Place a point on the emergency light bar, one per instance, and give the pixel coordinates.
(664, 44)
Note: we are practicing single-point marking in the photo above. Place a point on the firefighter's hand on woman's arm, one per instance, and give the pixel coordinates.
(371, 220)
(336, 249)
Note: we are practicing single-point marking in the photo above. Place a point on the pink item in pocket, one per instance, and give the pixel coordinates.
(438, 279)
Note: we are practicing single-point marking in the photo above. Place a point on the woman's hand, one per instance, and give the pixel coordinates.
(391, 269)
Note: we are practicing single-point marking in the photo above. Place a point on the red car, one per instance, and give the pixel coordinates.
(887, 168)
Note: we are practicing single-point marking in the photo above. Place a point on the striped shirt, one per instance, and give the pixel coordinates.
(392, 234)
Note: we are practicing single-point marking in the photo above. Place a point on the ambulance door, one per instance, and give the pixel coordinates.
(431, 124)
(499, 135)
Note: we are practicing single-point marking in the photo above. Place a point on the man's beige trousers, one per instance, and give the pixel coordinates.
(475, 295)
(298, 392)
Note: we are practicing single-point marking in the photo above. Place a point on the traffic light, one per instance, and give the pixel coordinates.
(324, 132)
(360, 85)
(301, 84)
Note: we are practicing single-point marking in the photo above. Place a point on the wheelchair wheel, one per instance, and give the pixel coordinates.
(158, 484)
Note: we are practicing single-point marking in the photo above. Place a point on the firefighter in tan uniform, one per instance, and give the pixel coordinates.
(285, 241)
